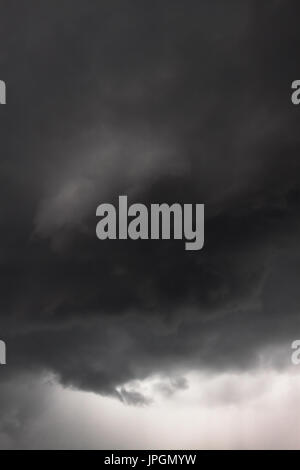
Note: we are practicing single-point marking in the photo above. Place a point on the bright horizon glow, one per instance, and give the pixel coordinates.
(255, 410)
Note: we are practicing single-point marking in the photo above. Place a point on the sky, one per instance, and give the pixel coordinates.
(123, 344)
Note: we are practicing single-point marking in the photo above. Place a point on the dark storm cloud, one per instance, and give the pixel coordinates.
(163, 101)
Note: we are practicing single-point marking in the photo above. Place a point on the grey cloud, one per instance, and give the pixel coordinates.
(164, 103)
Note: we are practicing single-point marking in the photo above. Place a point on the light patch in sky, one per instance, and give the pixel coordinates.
(258, 410)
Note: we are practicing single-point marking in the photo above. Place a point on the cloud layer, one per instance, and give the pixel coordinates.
(163, 103)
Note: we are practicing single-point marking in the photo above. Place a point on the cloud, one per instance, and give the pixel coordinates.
(256, 410)
(163, 103)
